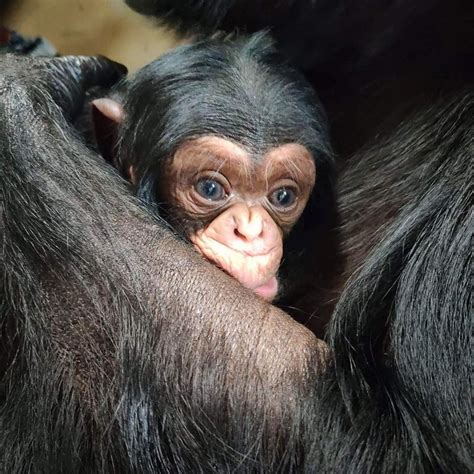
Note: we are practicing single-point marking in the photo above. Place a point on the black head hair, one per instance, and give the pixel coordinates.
(241, 89)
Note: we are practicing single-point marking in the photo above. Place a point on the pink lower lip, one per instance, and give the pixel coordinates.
(268, 290)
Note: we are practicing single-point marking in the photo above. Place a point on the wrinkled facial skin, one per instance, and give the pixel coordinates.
(244, 205)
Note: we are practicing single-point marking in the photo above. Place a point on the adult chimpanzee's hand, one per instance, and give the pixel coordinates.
(65, 79)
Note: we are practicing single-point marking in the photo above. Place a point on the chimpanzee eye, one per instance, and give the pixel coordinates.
(210, 189)
(283, 197)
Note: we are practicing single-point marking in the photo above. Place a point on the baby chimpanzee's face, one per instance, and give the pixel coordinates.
(236, 208)
(226, 138)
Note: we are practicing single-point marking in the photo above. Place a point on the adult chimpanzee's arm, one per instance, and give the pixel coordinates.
(121, 349)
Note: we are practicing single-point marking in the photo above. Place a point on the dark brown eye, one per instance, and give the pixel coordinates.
(283, 197)
(210, 189)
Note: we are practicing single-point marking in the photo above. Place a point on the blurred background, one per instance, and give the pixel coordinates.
(90, 27)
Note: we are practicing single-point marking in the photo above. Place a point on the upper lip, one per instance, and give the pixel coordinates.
(247, 252)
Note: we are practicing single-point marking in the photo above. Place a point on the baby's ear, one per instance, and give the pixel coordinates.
(107, 115)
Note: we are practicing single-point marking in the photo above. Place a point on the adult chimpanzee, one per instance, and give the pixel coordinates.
(228, 140)
(115, 360)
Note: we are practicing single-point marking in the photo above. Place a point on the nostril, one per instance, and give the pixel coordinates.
(248, 234)
(238, 234)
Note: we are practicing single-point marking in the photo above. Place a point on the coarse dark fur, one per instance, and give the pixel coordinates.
(365, 59)
(400, 332)
(158, 397)
(241, 89)
(111, 357)
(397, 80)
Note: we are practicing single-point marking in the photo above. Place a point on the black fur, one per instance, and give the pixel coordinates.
(400, 332)
(111, 360)
(397, 82)
(335, 36)
(143, 387)
(348, 49)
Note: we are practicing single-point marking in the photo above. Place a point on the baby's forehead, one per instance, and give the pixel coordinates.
(290, 160)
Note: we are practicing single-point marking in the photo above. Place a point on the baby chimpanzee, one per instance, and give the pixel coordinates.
(228, 140)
